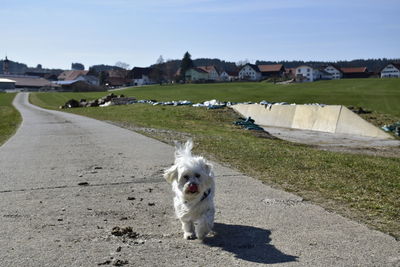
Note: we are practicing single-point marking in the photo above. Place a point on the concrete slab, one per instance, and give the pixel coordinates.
(330, 119)
(316, 118)
(276, 115)
(351, 123)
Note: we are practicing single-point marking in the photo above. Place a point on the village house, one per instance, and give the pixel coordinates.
(29, 82)
(6, 84)
(141, 76)
(196, 74)
(224, 76)
(391, 70)
(117, 78)
(355, 72)
(306, 73)
(253, 72)
(212, 71)
(334, 70)
(250, 72)
(271, 71)
(78, 75)
(229, 76)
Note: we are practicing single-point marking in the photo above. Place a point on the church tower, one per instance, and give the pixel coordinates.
(6, 66)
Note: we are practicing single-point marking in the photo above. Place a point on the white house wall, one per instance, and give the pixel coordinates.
(213, 75)
(390, 71)
(143, 81)
(336, 74)
(249, 73)
(307, 72)
(224, 76)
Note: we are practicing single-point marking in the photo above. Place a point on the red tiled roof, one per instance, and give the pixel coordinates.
(208, 68)
(354, 70)
(199, 69)
(269, 68)
(70, 75)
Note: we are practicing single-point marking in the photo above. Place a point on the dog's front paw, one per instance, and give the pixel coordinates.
(203, 227)
(189, 236)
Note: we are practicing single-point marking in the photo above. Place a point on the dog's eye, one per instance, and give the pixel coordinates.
(186, 177)
(197, 175)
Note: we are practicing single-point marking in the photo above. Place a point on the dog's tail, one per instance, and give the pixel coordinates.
(183, 150)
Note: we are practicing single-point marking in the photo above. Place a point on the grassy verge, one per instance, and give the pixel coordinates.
(9, 117)
(365, 188)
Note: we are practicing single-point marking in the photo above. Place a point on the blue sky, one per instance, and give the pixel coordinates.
(56, 33)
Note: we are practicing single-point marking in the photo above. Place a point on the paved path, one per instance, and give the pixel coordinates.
(48, 219)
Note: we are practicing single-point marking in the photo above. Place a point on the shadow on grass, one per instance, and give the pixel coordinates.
(247, 243)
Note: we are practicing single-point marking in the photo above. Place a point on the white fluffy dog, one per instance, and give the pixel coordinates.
(192, 181)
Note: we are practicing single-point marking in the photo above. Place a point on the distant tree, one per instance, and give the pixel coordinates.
(170, 69)
(160, 60)
(186, 64)
(102, 67)
(93, 72)
(156, 74)
(157, 71)
(77, 66)
(241, 63)
(122, 65)
(39, 66)
(219, 64)
(103, 76)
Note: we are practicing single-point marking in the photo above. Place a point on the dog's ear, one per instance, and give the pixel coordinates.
(208, 168)
(171, 173)
(183, 150)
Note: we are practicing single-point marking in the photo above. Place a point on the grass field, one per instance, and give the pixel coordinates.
(381, 95)
(9, 117)
(365, 188)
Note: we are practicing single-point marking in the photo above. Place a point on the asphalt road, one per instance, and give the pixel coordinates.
(66, 181)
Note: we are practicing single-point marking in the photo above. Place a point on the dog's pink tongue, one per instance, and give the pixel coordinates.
(193, 188)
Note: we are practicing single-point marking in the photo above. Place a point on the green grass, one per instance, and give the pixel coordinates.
(9, 117)
(381, 95)
(365, 188)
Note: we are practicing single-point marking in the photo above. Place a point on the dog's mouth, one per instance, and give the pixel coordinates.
(193, 188)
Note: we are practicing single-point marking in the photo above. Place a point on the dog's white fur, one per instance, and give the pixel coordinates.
(194, 210)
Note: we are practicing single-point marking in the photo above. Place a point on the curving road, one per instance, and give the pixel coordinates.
(66, 181)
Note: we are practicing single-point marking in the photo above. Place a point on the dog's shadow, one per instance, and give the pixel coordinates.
(247, 243)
